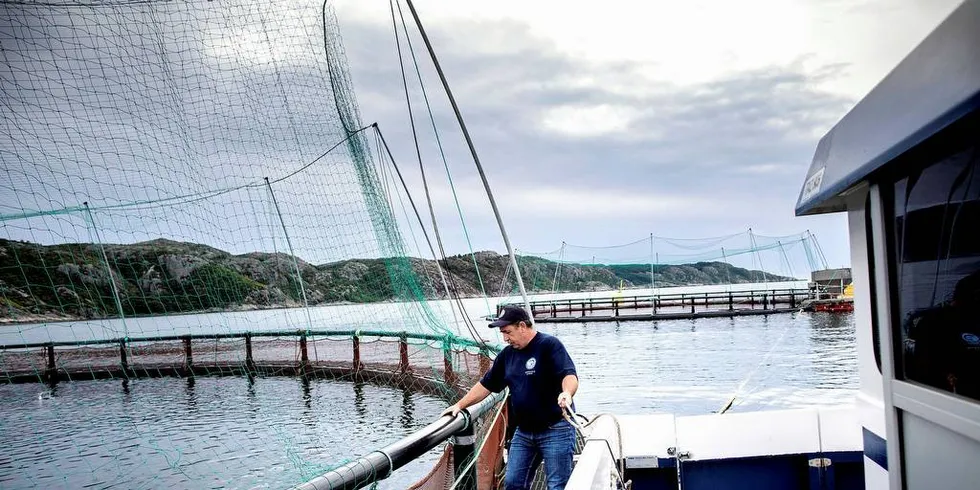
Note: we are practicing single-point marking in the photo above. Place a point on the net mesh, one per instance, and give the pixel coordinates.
(189, 190)
(662, 262)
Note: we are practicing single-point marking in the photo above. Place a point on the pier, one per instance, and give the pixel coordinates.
(670, 306)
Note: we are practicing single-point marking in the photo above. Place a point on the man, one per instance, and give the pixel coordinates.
(542, 381)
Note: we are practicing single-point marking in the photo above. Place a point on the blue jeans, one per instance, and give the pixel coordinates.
(555, 446)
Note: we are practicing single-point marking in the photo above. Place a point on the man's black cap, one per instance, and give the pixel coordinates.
(510, 315)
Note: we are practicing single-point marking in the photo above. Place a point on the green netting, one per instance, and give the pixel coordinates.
(662, 262)
(189, 190)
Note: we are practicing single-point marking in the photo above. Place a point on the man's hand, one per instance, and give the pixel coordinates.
(451, 410)
(565, 400)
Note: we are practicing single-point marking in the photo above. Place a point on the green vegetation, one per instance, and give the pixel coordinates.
(71, 281)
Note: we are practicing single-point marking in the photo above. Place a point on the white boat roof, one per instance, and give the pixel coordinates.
(934, 86)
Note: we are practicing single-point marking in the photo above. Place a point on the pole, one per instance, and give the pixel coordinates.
(108, 268)
(561, 255)
(289, 243)
(476, 158)
(653, 282)
(765, 278)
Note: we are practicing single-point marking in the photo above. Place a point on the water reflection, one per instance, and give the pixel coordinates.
(359, 406)
(175, 433)
(304, 382)
(191, 396)
(407, 417)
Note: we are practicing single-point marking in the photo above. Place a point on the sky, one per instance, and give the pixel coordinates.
(596, 124)
(599, 123)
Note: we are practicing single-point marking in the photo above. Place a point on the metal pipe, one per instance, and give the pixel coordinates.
(378, 465)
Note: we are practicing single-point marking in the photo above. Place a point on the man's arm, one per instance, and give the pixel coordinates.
(476, 394)
(569, 385)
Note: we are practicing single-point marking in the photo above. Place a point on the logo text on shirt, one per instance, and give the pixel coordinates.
(529, 365)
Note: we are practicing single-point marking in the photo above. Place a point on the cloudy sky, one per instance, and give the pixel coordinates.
(601, 122)
(598, 123)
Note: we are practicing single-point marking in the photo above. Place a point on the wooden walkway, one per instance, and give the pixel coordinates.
(669, 306)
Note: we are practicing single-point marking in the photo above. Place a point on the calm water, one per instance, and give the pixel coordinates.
(211, 433)
(275, 432)
(694, 367)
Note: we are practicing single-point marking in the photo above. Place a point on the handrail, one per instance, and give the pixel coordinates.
(277, 333)
(784, 292)
(379, 464)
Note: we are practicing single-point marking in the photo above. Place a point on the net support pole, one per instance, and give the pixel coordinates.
(554, 282)
(765, 278)
(476, 158)
(653, 280)
(289, 243)
(105, 260)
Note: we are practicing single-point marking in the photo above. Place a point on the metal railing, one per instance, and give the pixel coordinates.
(648, 304)
(379, 464)
(20, 362)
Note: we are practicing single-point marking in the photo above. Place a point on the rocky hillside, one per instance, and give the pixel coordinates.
(71, 281)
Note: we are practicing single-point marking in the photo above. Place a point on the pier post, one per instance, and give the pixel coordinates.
(188, 355)
(583, 309)
(654, 301)
(122, 356)
(403, 353)
(485, 361)
(765, 301)
(304, 358)
(356, 360)
(731, 302)
(249, 360)
(692, 304)
(554, 311)
(52, 371)
(447, 362)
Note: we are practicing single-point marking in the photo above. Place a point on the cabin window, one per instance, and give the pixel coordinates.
(934, 220)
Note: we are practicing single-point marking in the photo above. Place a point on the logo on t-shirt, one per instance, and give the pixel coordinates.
(531, 363)
(971, 340)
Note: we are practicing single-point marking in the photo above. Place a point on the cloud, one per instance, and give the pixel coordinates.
(601, 149)
(594, 124)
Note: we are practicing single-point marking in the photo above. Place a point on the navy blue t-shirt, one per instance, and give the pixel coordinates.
(534, 376)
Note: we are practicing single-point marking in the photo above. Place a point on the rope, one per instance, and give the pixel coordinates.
(466, 320)
(442, 154)
(171, 201)
(762, 361)
(418, 154)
